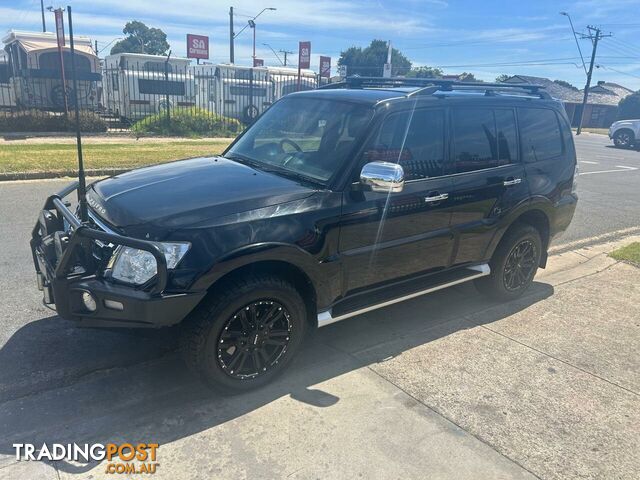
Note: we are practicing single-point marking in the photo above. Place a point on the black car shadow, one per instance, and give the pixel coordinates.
(151, 397)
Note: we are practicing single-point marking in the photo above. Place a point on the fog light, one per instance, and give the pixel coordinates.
(89, 301)
(113, 305)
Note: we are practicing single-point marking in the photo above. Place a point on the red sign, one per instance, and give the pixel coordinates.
(325, 67)
(197, 46)
(304, 55)
(60, 26)
(258, 62)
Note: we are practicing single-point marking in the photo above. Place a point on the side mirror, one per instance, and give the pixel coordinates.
(383, 177)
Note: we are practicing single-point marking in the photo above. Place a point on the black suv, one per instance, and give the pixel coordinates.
(333, 203)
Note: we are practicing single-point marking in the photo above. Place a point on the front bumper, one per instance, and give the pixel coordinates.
(64, 255)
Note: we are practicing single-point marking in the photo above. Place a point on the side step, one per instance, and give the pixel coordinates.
(326, 318)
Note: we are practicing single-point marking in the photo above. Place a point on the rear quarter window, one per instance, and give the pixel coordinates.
(540, 134)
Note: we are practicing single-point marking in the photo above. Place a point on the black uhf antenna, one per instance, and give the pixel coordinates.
(82, 184)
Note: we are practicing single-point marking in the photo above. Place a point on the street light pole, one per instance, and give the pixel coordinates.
(251, 23)
(274, 52)
(231, 36)
(575, 37)
(44, 25)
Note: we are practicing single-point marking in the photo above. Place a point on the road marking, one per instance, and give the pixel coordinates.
(590, 163)
(620, 168)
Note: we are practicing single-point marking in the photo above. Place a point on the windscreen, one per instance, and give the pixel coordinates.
(309, 137)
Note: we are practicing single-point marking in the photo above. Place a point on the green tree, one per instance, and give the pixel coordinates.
(425, 72)
(141, 39)
(566, 84)
(629, 107)
(467, 77)
(502, 78)
(369, 61)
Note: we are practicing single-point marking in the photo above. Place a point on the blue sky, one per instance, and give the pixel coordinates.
(487, 37)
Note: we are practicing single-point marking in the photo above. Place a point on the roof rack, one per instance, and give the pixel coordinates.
(429, 86)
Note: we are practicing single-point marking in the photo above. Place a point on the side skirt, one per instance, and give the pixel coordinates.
(326, 318)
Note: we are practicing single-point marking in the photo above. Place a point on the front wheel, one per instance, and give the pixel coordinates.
(623, 138)
(244, 336)
(513, 265)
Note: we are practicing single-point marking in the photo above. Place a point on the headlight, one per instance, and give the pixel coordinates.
(135, 266)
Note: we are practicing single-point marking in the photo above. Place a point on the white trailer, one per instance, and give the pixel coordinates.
(35, 74)
(7, 97)
(137, 85)
(236, 92)
(285, 80)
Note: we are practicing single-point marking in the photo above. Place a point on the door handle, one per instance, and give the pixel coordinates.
(512, 181)
(438, 197)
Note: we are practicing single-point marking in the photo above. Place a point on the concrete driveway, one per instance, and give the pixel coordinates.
(444, 386)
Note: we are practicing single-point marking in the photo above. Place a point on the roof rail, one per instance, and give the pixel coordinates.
(425, 86)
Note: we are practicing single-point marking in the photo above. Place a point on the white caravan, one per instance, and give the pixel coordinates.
(236, 92)
(136, 85)
(7, 98)
(285, 80)
(35, 74)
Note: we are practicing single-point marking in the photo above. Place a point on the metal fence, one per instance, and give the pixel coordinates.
(127, 91)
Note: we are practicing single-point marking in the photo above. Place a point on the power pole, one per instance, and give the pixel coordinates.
(231, 35)
(285, 53)
(44, 25)
(594, 35)
(387, 70)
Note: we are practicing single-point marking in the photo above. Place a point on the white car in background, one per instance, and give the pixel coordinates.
(625, 133)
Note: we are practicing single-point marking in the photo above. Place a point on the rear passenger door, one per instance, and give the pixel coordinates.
(488, 177)
(383, 236)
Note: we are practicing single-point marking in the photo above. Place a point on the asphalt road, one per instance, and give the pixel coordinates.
(41, 354)
(608, 187)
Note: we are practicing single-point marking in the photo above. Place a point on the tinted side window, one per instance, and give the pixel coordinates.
(475, 143)
(414, 139)
(539, 133)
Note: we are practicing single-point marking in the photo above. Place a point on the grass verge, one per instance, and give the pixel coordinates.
(629, 253)
(50, 157)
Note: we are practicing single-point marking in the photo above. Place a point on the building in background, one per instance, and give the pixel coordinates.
(602, 105)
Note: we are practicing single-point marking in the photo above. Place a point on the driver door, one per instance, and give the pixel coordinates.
(386, 237)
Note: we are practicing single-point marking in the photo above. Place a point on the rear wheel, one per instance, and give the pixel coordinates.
(514, 264)
(244, 336)
(623, 138)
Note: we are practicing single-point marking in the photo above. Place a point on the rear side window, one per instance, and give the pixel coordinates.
(539, 134)
(483, 138)
(414, 139)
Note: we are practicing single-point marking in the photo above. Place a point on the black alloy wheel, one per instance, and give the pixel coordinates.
(254, 339)
(520, 265)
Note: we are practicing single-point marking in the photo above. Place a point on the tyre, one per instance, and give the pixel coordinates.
(513, 265)
(623, 138)
(243, 336)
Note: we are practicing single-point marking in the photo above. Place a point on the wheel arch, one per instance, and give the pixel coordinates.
(538, 219)
(289, 262)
